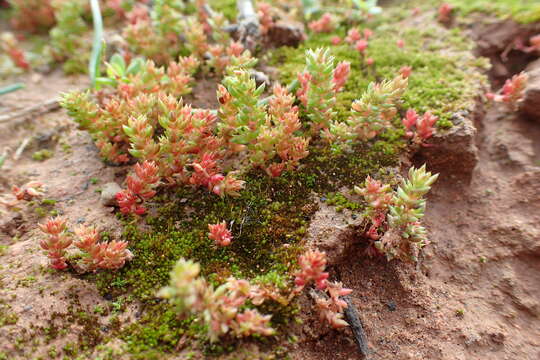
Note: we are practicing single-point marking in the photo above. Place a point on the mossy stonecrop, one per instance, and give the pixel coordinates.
(96, 255)
(398, 214)
(194, 142)
(319, 83)
(327, 301)
(11, 47)
(32, 15)
(156, 32)
(371, 114)
(219, 308)
(68, 42)
(134, 94)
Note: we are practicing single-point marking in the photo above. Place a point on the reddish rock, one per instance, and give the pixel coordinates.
(530, 106)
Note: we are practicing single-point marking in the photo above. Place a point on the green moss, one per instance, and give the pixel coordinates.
(524, 11)
(48, 202)
(341, 202)
(268, 222)
(7, 317)
(226, 7)
(445, 78)
(42, 155)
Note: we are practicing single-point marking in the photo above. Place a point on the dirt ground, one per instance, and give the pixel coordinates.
(474, 295)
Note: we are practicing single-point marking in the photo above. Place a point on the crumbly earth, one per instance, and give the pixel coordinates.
(475, 294)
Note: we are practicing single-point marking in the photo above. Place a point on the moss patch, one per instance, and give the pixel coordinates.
(524, 11)
(445, 76)
(268, 222)
(270, 218)
(226, 7)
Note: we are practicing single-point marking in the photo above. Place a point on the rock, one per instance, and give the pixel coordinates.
(286, 33)
(391, 306)
(333, 232)
(530, 106)
(108, 193)
(260, 78)
(452, 153)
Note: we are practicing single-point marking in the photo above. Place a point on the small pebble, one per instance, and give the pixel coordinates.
(108, 193)
(391, 306)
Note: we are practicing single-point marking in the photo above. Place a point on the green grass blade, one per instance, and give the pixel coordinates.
(97, 46)
(11, 88)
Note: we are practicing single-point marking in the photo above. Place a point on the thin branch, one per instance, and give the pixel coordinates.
(351, 316)
(39, 109)
(248, 24)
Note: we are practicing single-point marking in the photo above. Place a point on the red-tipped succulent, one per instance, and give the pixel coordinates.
(140, 187)
(331, 308)
(28, 191)
(57, 241)
(419, 128)
(445, 13)
(512, 92)
(312, 266)
(341, 74)
(405, 71)
(11, 47)
(323, 25)
(220, 234)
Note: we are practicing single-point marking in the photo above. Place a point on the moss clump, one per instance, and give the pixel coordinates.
(341, 202)
(42, 155)
(268, 222)
(6, 317)
(446, 76)
(523, 11)
(226, 7)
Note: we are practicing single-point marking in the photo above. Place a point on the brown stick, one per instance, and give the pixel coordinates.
(351, 316)
(36, 110)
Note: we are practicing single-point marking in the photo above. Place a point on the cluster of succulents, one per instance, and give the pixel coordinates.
(68, 43)
(324, 24)
(222, 309)
(140, 88)
(265, 131)
(327, 299)
(371, 114)
(266, 19)
(320, 81)
(153, 33)
(11, 47)
(32, 15)
(96, 255)
(512, 92)
(419, 128)
(396, 229)
(192, 143)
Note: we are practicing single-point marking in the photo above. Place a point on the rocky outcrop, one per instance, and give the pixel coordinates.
(452, 153)
(530, 106)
